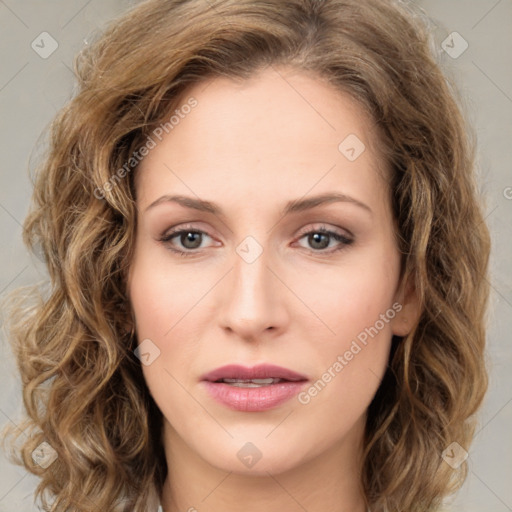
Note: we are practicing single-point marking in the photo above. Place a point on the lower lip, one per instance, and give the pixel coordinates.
(253, 399)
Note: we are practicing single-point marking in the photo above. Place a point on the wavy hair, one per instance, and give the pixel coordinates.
(83, 388)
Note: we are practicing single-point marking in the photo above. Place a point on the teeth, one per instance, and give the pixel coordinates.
(264, 381)
(251, 383)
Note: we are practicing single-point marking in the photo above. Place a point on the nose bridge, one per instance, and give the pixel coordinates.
(252, 301)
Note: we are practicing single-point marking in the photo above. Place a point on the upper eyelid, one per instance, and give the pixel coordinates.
(325, 227)
(171, 233)
(179, 229)
(309, 227)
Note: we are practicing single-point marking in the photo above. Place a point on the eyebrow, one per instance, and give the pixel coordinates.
(295, 206)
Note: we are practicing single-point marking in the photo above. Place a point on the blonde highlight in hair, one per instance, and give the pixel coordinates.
(83, 388)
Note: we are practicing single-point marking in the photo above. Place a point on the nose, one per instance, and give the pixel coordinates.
(253, 299)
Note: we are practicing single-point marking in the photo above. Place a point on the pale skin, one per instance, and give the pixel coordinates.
(250, 147)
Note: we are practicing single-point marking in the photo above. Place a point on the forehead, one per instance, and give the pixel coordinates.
(279, 128)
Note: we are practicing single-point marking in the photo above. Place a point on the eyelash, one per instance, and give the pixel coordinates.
(342, 239)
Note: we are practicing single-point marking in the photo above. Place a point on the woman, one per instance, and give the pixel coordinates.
(318, 345)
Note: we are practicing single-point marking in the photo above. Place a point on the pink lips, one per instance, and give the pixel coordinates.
(253, 399)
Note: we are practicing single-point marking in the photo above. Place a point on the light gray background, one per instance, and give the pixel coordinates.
(33, 88)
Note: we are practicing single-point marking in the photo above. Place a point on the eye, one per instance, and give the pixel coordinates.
(189, 239)
(320, 238)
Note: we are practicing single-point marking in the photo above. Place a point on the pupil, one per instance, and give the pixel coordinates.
(316, 236)
(189, 237)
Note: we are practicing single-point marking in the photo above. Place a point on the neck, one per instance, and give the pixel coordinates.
(329, 481)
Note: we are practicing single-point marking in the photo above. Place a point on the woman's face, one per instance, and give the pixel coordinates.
(260, 283)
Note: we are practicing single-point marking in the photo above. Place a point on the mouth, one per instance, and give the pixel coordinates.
(253, 389)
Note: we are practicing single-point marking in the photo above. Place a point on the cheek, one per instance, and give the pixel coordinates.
(163, 302)
(168, 299)
(162, 294)
(351, 296)
(355, 305)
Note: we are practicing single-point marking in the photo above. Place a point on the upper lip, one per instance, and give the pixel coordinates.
(261, 371)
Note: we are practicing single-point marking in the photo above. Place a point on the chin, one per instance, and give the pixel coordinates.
(255, 455)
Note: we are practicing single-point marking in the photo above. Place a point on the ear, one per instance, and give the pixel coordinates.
(408, 309)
